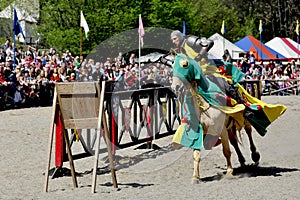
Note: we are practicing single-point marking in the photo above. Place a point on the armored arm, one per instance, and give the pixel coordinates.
(201, 45)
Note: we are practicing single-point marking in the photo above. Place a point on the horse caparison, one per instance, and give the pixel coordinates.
(208, 116)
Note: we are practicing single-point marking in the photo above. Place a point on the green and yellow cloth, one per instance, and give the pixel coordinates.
(190, 133)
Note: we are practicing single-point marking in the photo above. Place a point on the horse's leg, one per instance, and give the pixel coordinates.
(226, 151)
(234, 141)
(196, 174)
(254, 154)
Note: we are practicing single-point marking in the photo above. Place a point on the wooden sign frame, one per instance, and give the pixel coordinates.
(81, 107)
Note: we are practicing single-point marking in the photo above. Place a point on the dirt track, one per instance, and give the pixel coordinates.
(161, 174)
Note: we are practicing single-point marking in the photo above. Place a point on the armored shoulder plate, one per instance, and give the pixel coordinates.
(197, 44)
(194, 43)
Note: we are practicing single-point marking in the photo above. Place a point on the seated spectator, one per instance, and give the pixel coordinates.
(130, 80)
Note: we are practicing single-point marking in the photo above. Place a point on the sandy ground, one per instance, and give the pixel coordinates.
(149, 174)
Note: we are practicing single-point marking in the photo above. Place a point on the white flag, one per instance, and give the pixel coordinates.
(84, 24)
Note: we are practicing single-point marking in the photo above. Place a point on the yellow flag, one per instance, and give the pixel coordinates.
(260, 27)
(297, 28)
(223, 29)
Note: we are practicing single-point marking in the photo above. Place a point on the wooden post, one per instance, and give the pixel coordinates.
(109, 150)
(50, 141)
(94, 179)
(66, 137)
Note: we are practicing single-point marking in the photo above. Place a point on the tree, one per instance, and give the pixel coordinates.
(59, 19)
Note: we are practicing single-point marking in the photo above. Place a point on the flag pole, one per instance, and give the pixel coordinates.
(260, 37)
(223, 31)
(140, 35)
(141, 44)
(224, 43)
(260, 46)
(298, 46)
(80, 43)
(14, 50)
(139, 62)
(297, 32)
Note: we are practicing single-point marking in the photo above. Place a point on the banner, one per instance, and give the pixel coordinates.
(141, 30)
(17, 29)
(84, 24)
(223, 28)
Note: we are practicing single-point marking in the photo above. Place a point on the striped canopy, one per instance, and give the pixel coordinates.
(285, 46)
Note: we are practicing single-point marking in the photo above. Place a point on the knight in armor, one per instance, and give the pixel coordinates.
(192, 46)
(197, 49)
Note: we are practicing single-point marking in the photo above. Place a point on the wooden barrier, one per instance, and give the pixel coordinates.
(81, 107)
(289, 87)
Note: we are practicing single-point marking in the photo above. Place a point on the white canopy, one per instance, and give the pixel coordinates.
(220, 44)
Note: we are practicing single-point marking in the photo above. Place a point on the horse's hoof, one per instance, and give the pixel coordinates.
(195, 180)
(230, 176)
(255, 157)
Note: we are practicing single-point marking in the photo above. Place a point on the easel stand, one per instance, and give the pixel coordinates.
(81, 107)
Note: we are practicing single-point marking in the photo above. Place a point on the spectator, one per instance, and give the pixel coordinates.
(227, 56)
(288, 70)
(294, 66)
(62, 74)
(9, 62)
(6, 45)
(2, 55)
(252, 59)
(132, 59)
(245, 63)
(98, 74)
(120, 59)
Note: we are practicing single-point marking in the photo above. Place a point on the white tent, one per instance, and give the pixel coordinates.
(27, 22)
(285, 46)
(220, 44)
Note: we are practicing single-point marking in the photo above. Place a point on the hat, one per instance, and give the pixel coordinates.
(9, 59)
(177, 34)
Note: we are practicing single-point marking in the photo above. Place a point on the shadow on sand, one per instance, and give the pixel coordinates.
(252, 171)
(119, 162)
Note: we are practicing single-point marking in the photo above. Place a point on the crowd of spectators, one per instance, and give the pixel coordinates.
(27, 75)
(274, 75)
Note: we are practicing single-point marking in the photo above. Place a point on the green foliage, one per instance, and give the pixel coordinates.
(59, 19)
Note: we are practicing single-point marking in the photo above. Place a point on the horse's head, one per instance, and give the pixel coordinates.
(185, 72)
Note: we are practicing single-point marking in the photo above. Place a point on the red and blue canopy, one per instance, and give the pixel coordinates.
(260, 50)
